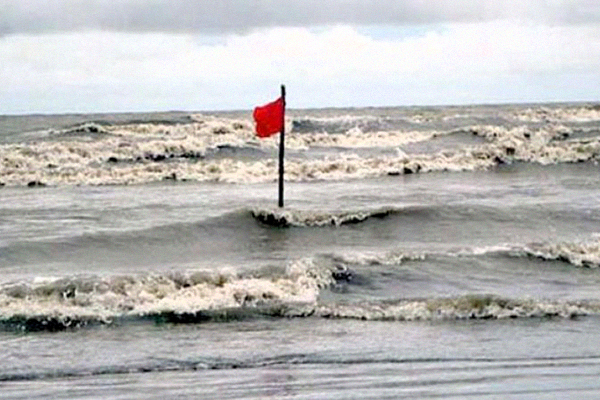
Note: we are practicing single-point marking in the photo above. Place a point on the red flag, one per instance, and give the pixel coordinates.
(269, 118)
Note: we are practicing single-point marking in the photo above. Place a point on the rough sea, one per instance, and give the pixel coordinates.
(423, 252)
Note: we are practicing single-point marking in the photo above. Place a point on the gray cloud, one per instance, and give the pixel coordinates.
(226, 16)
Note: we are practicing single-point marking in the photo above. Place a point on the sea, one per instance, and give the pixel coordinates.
(422, 252)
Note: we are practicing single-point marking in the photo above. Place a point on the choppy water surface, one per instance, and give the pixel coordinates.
(423, 252)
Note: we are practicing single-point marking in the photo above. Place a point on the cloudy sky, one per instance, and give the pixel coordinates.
(144, 55)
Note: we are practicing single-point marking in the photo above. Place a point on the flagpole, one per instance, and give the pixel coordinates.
(281, 148)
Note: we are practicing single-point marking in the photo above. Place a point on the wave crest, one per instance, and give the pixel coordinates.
(55, 304)
(585, 254)
(288, 217)
(464, 307)
(563, 114)
(143, 153)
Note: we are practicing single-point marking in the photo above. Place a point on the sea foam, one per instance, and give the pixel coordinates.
(81, 300)
(140, 153)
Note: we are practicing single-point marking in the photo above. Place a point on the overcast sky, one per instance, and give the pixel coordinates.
(134, 55)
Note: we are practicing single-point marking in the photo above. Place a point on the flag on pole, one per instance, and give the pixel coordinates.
(269, 121)
(269, 118)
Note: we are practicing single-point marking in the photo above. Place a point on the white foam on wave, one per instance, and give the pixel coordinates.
(82, 161)
(579, 254)
(395, 257)
(242, 131)
(136, 147)
(584, 254)
(464, 307)
(293, 217)
(347, 120)
(480, 250)
(103, 299)
(143, 153)
(563, 114)
(356, 138)
(293, 292)
(88, 127)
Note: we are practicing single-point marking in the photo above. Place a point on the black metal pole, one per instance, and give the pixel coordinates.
(281, 148)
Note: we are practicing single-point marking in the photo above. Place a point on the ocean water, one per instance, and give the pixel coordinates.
(423, 252)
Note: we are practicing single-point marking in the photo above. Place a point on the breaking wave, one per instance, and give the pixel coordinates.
(307, 218)
(336, 124)
(61, 303)
(586, 254)
(80, 130)
(463, 307)
(563, 114)
(250, 303)
(55, 304)
(92, 154)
